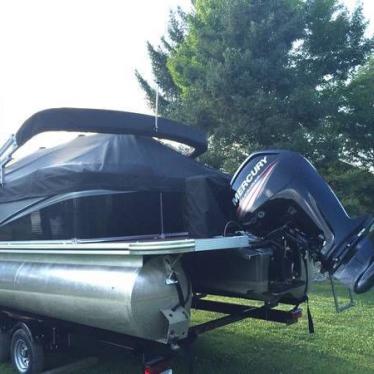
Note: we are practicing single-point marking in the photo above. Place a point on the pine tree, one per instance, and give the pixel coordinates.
(267, 74)
(169, 91)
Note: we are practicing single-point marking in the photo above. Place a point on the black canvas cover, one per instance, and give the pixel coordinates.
(111, 162)
(208, 206)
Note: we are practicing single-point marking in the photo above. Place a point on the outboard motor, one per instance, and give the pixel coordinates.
(281, 192)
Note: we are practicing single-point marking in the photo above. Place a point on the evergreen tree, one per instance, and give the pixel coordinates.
(266, 74)
(169, 91)
(356, 117)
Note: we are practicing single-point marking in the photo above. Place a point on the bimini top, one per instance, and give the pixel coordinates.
(111, 122)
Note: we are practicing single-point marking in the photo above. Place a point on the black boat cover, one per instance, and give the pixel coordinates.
(111, 122)
(97, 162)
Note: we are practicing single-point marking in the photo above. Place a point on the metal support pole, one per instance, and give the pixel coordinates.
(6, 152)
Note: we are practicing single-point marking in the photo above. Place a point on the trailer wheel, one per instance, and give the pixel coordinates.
(4, 346)
(27, 354)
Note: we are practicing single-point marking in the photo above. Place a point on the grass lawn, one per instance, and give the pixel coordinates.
(343, 343)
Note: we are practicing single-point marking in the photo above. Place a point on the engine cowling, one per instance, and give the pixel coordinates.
(275, 189)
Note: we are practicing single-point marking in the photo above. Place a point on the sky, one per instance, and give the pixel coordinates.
(80, 53)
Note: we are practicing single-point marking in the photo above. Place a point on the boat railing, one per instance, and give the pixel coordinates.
(6, 152)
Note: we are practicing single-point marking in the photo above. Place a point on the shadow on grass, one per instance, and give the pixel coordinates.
(230, 353)
(240, 352)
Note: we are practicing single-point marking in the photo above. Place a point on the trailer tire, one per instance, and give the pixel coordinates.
(4, 346)
(27, 354)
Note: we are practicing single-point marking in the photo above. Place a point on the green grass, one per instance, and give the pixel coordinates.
(343, 343)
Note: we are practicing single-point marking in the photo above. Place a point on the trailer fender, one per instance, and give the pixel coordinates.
(32, 329)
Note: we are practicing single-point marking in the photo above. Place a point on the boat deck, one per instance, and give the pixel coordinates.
(113, 251)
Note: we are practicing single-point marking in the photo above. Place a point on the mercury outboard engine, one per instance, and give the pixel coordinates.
(280, 192)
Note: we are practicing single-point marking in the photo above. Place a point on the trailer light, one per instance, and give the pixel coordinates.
(156, 371)
(159, 368)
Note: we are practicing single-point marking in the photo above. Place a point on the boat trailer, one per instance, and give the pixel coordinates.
(45, 335)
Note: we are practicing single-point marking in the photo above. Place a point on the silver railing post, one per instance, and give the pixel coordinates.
(6, 152)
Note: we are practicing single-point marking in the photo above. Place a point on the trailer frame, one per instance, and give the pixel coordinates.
(54, 334)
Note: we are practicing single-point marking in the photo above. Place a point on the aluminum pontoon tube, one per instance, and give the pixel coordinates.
(136, 299)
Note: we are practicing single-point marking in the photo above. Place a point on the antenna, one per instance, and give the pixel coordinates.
(156, 110)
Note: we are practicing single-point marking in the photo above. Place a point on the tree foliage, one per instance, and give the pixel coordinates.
(268, 74)
(356, 117)
(354, 186)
